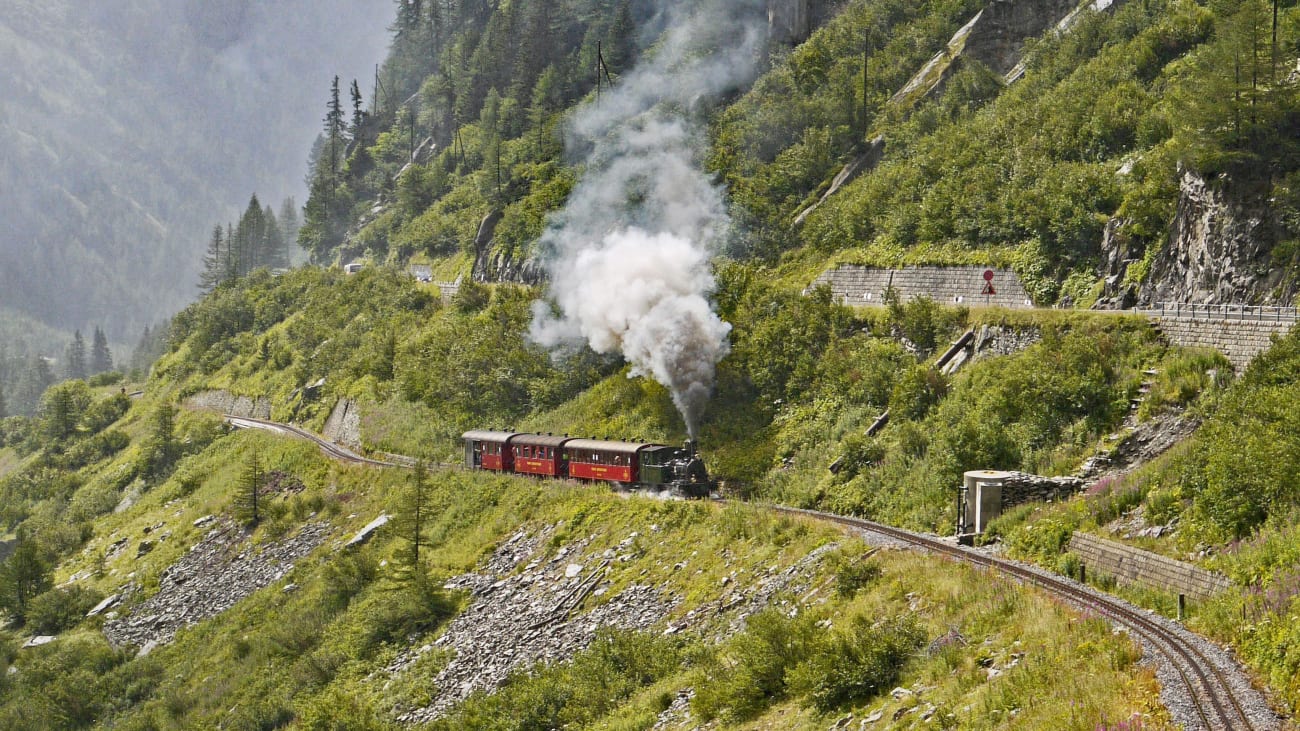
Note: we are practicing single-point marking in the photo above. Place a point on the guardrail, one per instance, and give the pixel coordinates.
(1254, 313)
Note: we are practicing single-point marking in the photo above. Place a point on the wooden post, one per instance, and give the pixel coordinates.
(1182, 606)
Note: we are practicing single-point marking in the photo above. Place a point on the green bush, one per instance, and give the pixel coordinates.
(753, 669)
(857, 662)
(60, 609)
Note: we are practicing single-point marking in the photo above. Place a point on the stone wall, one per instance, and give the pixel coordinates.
(224, 402)
(1022, 487)
(859, 285)
(1134, 565)
(1239, 338)
(344, 425)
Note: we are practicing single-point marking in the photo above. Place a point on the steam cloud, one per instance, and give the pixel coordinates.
(629, 256)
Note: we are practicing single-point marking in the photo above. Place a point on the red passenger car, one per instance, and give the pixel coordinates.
(538, 454)
(592, 459)
(489, 450)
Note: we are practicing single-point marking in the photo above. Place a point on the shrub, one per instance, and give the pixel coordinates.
(856, 662)
(851, 576)
(60, 609)
(753, 668)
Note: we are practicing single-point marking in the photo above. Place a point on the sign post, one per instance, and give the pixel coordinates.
(988, 290)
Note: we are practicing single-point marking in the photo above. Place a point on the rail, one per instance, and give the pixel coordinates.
(1247, 313)
(1208, 688)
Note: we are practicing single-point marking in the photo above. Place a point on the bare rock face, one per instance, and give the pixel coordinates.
(1005, 24)
(1220, 249)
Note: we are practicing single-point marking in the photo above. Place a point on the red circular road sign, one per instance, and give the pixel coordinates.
(988, 275)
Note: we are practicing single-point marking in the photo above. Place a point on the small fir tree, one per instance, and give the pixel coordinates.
(412, 522)
(24, 575)
(247, 500)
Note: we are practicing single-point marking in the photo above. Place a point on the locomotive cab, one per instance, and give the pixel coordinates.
(676, 468)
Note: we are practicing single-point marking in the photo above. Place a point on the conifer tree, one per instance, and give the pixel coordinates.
(101, 359)
(76, 360)
(4, 410)
(214, 262)
(251, 479)
(288, 220)
(412, 521)
(358, 115)
(161, 449)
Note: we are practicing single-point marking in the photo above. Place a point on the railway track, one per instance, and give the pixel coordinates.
(1208, 697)
(1215, 700)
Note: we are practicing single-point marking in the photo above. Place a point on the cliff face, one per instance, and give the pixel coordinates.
(1220, 249)
(1005, 24)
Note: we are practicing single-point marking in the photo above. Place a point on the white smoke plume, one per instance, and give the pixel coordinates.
(629, 256)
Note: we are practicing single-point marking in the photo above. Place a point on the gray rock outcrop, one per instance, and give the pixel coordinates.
(1220, 249)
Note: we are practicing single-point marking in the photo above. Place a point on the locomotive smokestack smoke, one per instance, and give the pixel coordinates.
(629, 256)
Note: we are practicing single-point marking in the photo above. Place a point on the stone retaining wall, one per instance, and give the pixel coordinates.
(227, 403)
(344, 425)
(859, 285)
(1134, 565)
(1022, 487)
(1239, 339)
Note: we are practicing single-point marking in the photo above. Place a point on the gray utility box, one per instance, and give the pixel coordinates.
(982, 499)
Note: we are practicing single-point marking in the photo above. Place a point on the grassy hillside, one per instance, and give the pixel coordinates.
(102, 494)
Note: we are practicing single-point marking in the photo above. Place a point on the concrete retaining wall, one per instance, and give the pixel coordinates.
(859, 285)
(1239, 339)
(1127, 563)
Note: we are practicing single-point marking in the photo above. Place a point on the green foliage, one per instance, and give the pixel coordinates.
(247, 503)
(923, 321)
(160, 451)
(856, 662)
(573, 694)
(24, 575)
(754, 667)
(60, 609)
(852, 575)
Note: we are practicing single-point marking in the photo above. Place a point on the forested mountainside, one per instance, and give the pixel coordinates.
(634, 199)
(127, 127)
(1064, 156)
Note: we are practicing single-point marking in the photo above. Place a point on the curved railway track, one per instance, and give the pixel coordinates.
(1208, 690)
(1212, 698)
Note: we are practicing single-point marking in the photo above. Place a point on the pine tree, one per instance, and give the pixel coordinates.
(4, 410)
(76, 366)
(101, 360)
(60, 412)
(288, 220)
(160, 450)
(334, 130)
(251, 479)
(358, 115)
(412, 522)
(214, 262)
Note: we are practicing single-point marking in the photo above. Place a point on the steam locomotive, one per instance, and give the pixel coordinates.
(629, 464)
